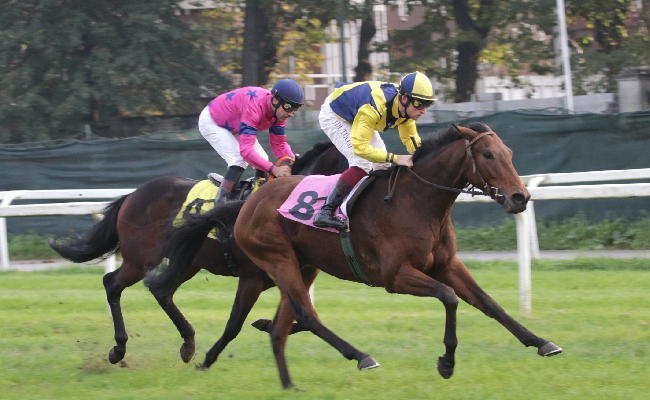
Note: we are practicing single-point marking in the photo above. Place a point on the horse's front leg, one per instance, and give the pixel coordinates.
(459, 278)
(248, 291)
(409, 280)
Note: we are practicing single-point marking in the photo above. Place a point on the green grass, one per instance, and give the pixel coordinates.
(575, 233)
(55, 335)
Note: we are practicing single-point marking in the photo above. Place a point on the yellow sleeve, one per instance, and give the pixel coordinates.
(363, 128)
(405, 132)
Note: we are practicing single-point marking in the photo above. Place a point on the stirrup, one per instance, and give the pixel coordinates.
(327, 219)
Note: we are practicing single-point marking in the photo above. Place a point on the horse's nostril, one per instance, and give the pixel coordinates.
(519, 198)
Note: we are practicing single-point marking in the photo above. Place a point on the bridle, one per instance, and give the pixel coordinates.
(470, 189)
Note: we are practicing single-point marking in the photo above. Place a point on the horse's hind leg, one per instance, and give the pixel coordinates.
(114, 283)
(458, 277)
(283, 326)
(248, 291)
(188, 348)
(282, 264)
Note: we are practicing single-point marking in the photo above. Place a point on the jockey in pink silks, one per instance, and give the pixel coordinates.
(231, 121)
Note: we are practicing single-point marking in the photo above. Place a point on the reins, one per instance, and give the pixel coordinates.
(471, 190)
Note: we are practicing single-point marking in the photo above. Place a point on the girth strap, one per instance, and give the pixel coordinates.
(224, 237)
(353, 262)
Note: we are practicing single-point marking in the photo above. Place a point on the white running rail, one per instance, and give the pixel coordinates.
(527, 245)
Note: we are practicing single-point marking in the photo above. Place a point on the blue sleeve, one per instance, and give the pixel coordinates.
(277, 130)
(246, 129)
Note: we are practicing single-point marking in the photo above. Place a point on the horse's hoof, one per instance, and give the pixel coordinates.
(187, 352)
(263, 325)
(367, 363)
(115, 356)
(202, 367)
(549, 349)
(445, 368)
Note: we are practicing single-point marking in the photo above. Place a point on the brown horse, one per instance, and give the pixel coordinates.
(137, 225)
(404, 242)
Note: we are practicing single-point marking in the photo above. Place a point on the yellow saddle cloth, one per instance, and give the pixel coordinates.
(200, 200)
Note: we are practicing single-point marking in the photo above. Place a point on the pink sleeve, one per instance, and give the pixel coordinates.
(280, 146)
(248, 153)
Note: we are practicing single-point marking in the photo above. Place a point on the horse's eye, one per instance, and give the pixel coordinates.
(488, 155)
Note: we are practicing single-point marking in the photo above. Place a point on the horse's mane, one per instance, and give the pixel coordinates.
(308, 157)
(444, 137)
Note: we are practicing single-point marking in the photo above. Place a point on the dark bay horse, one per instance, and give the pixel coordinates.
(404, 242)
(136, 225)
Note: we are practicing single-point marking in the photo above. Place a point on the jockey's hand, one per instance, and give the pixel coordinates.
(404, 160)
(282, 170)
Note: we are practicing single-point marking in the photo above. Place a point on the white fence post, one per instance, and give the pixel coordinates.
(523, 250)
(4, 245)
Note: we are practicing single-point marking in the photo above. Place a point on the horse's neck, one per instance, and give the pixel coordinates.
(446, 168)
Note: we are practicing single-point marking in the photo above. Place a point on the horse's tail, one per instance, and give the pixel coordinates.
(184, 242)
(100, 241)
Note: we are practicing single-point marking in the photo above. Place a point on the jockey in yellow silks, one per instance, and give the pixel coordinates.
(352, 117)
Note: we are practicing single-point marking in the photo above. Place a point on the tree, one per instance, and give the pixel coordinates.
(615, 36)
(66, 64)
(259, 53)
(465, 33)
(363, 70)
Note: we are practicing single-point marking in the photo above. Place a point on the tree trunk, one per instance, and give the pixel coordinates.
(469, 49)
(363, 70)
(466, 72)
(259, 54)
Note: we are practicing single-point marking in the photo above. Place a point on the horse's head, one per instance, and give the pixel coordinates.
(489, 167)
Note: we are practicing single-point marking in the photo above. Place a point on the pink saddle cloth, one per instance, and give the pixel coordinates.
(308, 198)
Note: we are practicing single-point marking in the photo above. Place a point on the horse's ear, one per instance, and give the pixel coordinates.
(455, 127)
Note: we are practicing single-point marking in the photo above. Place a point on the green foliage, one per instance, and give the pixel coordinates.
(615, 37)
(576, 233)
(29, 247)
(67, 64)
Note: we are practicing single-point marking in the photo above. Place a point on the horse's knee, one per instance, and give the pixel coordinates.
(449, 298)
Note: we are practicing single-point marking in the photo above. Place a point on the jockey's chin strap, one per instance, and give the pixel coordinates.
(490, 191)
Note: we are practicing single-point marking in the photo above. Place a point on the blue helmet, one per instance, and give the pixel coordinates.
(289, 91)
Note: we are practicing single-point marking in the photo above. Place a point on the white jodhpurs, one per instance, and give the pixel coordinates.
(224, 141)
(339, 133)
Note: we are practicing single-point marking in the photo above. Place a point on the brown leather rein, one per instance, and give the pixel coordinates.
(488, 190)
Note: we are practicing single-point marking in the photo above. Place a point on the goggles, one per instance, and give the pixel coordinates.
(421, 104)
(288, 107)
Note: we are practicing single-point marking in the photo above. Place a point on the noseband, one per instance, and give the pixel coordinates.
(488, 190)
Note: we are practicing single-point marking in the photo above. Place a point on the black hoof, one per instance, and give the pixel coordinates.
(549, 349)
(263, 325)
(187, 351)
(445, 368)
(115, 356)
(367, 363)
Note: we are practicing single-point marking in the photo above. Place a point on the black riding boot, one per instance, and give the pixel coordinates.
(325, 217)
(227, 188)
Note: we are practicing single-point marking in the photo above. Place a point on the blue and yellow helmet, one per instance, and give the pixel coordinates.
(416, 85)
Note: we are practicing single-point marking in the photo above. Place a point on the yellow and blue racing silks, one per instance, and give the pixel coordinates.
(369, 107)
